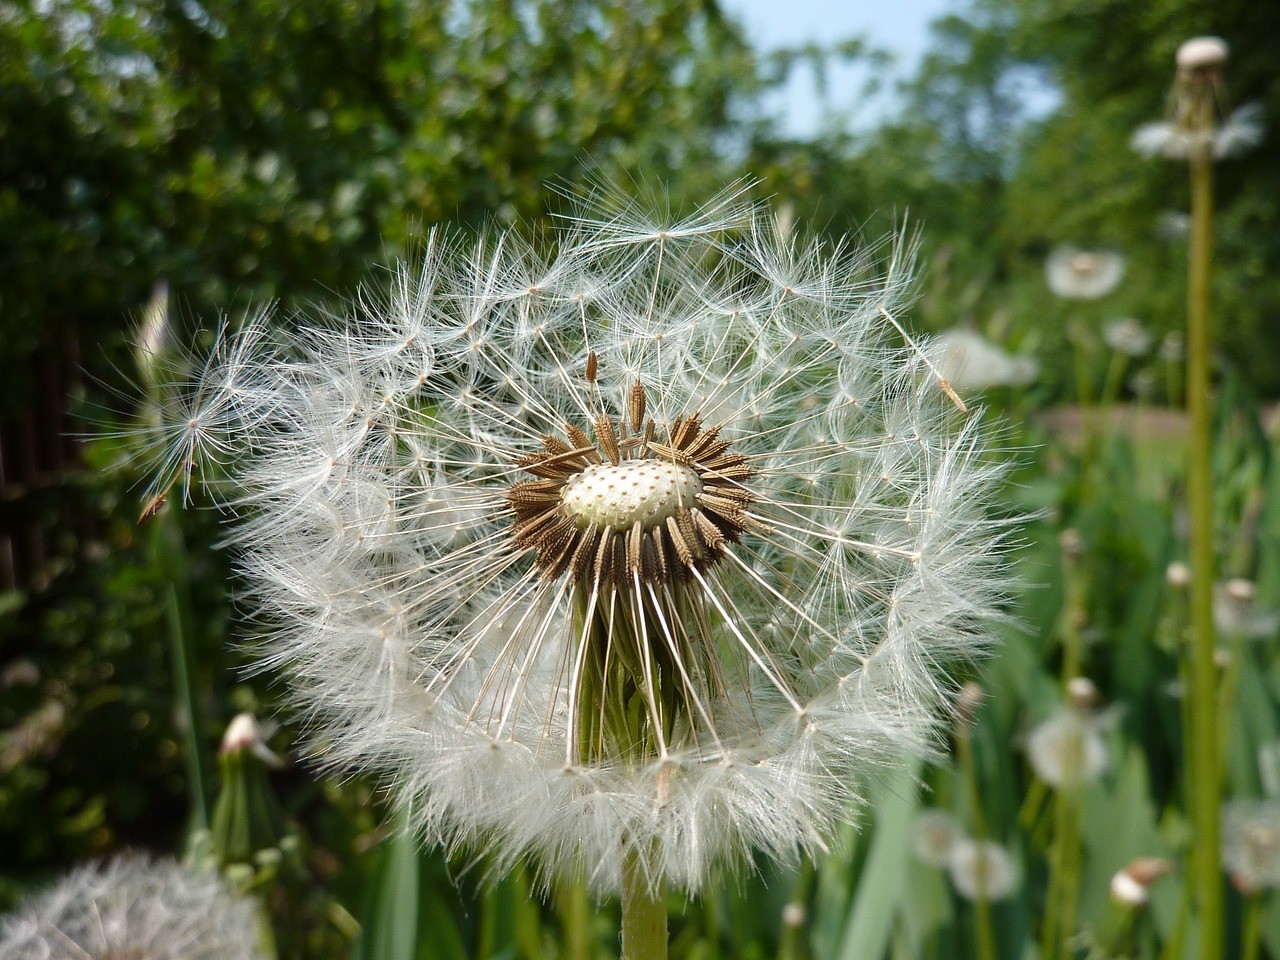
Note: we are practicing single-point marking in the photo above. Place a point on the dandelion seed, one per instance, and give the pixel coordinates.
(132, 907)
(657, 546)
(1082, 274)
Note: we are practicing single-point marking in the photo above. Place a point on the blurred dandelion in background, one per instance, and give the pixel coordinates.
(982, 869)
(132, 907)
(1251, 843)
(936, 834)
(1083, 274)
(1128, 336)
(626, 557)
(971, 362)
(1068, 747)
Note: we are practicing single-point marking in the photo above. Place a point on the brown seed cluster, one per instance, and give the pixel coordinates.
(659, 509)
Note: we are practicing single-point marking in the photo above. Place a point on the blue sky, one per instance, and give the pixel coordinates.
(899, 26)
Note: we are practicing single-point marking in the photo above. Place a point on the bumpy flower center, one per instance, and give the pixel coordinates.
(629, 505)
(646, 491)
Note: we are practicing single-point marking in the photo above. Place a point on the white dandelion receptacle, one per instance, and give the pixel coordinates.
(658, 541)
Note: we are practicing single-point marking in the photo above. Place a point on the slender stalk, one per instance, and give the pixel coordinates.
(1251, 938)
(575, 919)
(170, 555)
(982, 905)
(644, 912)
(792, 943)
(1203, 765)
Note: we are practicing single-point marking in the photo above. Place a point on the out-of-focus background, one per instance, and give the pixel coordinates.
(210, 157)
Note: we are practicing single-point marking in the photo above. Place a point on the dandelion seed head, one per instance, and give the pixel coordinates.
(662, 540)
(970, 362)
(982, 869)
(1251, 843)
(1068, 748)
(1083, 274)
(1127, 336)
(132, 908)
(936, 834)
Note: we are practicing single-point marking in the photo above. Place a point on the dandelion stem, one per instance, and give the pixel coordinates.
(1251, 938)
(644, 911)
(982, 904)
(1203, 767)
(170, 555)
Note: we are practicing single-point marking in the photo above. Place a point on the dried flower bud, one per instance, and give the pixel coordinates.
(1178, 575)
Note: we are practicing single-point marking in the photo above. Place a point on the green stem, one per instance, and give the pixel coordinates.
(1251, 938)
(982, 905)
(792, 943)
(644, 912)
(575, 919)
(170, 555)
(1203, 764)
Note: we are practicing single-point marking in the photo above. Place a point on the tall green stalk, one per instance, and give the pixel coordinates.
(644, 912)
(984, 928)
(1203, 766)
(170, 555)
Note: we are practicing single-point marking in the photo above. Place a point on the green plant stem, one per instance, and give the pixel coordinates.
(575, 919)
(982, 905)
(1251, 938)
(793, 940)
(1203, 765)
(644, 912)
(171, 558)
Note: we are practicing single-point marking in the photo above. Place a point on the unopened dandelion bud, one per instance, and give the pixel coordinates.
(1177, 575)
(1083, 693)
(1127, 891)
(1147, 870)
(245, 733)
(794, 916)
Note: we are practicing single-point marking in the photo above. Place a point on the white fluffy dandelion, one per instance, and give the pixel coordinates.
(935, 836)
(653, 544)
(1068, 748)
(1241, 131)
(1251, 843)
(1127, 336)
(969, 361)
(132, 908)
(1083, 274)
(982, 869)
